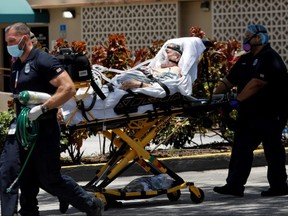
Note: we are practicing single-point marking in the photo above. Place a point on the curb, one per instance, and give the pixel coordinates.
(176, 164)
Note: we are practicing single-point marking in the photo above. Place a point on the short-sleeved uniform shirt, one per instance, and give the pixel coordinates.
(267, 65)
(35, 73)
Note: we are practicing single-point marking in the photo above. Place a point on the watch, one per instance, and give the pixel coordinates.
(44, 108)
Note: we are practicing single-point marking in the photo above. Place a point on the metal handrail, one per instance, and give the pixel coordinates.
(3, 74)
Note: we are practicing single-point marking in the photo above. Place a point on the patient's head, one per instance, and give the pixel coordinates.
(174, 47)
(172, 55)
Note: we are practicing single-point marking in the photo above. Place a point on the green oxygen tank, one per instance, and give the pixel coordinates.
(32, 97)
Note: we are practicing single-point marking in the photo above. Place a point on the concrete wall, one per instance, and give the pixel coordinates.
(72, 26)
(192, 15)
(5, 96)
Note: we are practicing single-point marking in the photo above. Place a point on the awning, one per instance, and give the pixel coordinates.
(20, 11)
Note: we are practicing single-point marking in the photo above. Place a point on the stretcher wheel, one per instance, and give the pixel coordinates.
(174, 196)
(197, 197)
(113, 203)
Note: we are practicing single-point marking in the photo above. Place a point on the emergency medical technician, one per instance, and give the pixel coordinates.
(262, 84)
(36, 70)
(10, 167)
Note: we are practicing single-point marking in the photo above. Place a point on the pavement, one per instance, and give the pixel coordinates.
(205, 171)
(214, 204)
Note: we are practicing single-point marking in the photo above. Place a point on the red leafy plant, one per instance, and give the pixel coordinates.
(79, 47)
(60, 43)
(196, 31)
(144, 54)
(113, 54)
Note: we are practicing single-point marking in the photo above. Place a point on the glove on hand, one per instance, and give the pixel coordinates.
(234, 104)
(35, 112)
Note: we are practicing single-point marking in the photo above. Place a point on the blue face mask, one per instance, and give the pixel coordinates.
(14, 50)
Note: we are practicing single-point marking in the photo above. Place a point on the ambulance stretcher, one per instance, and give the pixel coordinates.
(131, 120)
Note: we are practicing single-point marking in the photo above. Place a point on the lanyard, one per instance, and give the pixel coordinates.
(16, 79)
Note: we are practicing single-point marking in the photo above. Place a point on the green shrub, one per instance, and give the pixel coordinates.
(5, 118)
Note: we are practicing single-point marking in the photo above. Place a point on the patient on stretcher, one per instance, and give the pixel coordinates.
(181, 56)
(168, 69)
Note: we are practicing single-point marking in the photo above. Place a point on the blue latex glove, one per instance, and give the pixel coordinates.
(234, 104)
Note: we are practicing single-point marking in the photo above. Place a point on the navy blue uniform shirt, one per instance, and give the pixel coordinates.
(267, 65)
(35, 73)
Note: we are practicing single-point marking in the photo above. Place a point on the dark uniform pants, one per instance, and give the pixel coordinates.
(43, 170)
(248, 135)
(9, 169)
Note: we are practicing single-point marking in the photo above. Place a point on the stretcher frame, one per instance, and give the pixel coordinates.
(130, 133)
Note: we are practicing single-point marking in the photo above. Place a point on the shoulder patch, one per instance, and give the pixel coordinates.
(27, 68)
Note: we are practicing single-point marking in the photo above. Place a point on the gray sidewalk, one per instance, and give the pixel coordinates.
(214, 204)
(206, 171)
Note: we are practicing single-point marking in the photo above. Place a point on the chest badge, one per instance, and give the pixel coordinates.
(255, 62)
(27, 68)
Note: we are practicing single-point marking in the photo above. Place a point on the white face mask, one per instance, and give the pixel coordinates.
(14, 50)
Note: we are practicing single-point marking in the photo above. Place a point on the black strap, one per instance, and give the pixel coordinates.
(92, 104)
(97, 90)
(110, 87)
(175, 48)
(80, 105)
(175, 62)
(130, 92)
(166, 89)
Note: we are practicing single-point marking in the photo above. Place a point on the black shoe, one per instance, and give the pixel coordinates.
(63, 206)
(228, 190)
(274, 192)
